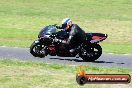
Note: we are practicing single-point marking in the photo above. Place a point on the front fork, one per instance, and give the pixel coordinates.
(42, 48)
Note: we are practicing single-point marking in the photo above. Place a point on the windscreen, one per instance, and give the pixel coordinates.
(47, 30)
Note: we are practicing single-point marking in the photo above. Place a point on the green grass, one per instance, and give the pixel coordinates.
(21, 20)
(29, 74)
(117, 48)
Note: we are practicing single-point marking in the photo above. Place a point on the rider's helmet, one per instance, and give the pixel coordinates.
(66, 24)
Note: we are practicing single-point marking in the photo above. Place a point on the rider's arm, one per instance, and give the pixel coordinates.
(57, 26)
(71, 34)
(74, 30)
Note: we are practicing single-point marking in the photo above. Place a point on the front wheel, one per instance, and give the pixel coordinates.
(37, 50)
(91, 53)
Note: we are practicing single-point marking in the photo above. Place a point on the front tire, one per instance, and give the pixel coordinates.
(37, 50)
(92, 53)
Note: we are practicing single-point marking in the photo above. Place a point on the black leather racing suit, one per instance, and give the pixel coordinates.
(76, 37)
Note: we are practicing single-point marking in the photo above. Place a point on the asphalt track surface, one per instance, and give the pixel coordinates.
(111, 60)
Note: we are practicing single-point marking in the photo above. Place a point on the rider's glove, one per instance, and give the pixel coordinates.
(59, 41)
(57, 26)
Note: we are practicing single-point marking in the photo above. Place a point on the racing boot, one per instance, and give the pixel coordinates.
(74, 51)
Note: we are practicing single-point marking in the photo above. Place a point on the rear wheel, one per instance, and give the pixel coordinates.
(91, 53)
(37, 50)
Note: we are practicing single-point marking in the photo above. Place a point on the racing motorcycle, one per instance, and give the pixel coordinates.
(89, 50)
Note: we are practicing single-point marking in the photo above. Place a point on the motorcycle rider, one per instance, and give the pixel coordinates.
(76, 35)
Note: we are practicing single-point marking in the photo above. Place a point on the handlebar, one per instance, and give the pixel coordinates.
(53, 35)
(57, 26)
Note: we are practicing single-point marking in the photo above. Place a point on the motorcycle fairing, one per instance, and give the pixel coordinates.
(47, 31)
(96, 37)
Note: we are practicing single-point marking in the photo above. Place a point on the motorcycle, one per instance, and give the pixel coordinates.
(89, 51)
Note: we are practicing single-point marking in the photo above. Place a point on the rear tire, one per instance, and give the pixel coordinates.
(93, 53)
(37, 50)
